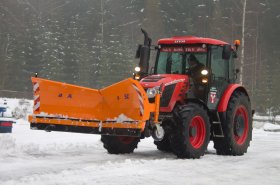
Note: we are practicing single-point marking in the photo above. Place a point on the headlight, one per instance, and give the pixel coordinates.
(204, 80)
(137, 69)
(204, 72)
(151, 92)
(137, 77)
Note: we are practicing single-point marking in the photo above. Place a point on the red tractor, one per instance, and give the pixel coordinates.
(200, 99)
(189, 97)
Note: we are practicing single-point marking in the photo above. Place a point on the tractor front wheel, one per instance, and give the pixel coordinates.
(164, 144)
(192, 134)
(237, 127)
(119, 144)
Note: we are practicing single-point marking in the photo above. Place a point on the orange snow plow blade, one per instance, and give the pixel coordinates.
(120, 109)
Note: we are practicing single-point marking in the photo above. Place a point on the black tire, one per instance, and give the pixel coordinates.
(164, 144)
(192, 133)
(119, 144)
(237, 127)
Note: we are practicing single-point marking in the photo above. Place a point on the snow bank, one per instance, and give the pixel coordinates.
(271, 127)
(7, 144)
(265, 123)
(16, 108)
(24, 141)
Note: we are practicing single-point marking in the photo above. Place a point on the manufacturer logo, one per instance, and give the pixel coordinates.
(213, 96)
(180, 41)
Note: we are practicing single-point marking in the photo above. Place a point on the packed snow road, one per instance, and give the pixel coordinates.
(38, 157)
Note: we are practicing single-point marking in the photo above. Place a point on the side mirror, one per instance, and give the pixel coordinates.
(226, 52)
(138, 51)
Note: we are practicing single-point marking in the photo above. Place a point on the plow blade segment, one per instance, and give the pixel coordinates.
(120, 109)
(126, 97)
(56, 99)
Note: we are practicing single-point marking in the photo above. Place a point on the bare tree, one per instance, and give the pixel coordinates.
(243, 41)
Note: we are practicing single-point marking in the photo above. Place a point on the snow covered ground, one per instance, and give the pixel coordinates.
(37, 157)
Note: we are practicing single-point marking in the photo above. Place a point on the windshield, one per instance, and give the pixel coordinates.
(174, 60)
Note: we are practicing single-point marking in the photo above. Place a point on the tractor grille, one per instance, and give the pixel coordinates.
(166, 95)
(152, 79)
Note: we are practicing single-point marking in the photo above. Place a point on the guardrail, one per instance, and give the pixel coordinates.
(15, 94)
(259, 121)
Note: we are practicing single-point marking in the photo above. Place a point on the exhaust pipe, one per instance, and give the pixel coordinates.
(143, 52)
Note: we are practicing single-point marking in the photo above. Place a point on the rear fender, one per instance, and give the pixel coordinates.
(222, 107)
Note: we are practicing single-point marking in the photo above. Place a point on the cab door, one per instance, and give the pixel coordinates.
(221, 76)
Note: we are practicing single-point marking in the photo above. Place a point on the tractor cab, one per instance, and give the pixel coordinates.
(206, 65)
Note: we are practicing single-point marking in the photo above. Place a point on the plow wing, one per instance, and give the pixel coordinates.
(120, 109)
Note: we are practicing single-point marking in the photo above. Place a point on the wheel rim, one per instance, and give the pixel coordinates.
(126, 140)
(241, 125)
(197, 132)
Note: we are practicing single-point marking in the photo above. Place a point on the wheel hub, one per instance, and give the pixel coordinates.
(193, 131)
(239, 126)
(158, 132)
(197, 131)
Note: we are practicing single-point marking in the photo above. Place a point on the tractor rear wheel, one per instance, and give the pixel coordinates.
(237, 127)
(192, 133)
(119, 144)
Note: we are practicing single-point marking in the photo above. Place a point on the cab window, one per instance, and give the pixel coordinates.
(219, 66)
(170, 63)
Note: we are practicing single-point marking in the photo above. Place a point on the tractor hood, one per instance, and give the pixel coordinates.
(174, 88)
(165, 79)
